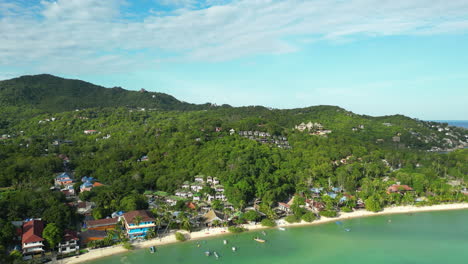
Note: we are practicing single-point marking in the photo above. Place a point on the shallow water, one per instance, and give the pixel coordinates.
(429, 237)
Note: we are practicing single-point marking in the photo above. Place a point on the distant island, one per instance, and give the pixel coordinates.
(83, 166)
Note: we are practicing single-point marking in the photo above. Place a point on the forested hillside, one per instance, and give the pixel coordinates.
(55, 94)
(256, 152)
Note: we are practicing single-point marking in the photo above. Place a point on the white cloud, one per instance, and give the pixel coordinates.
(95, 35)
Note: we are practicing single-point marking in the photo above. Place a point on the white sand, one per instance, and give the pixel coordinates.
(205, 233)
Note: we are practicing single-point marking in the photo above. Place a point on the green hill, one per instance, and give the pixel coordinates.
(54, 94)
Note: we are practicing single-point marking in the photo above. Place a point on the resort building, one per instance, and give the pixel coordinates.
(138, 223)
(32, 237)
(69, 243)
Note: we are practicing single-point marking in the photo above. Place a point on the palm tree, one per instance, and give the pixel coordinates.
(168, 218)
(158, 222)
(186, 224)
(137, 220)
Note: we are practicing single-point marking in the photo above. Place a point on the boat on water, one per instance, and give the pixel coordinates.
(263, 233)
(152, 249)
(259, 240)
(225, 242)
(347, 229)
(207, 253)
(282, 228)
(234, 248)
(216, 254)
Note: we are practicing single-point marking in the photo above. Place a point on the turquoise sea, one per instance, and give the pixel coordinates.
(428, 237)
(458, 123)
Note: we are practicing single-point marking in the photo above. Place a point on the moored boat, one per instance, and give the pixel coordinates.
(207, 253)
(225, 242)
(215, 254)
(234, 248)
(259, 240)
(152, 249)
(281, 228)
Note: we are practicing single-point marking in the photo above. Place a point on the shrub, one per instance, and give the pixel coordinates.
(292, 219)
(328, 213)
(179, 236)
(127, 246)
(372, 204)
(268, 222)
(346, 209)
(236, 229)
(308, 217)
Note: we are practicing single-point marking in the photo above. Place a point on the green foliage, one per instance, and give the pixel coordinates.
(292, 219)
(346, 209)
(251, 216)
(308, 217)
(268, 222)
(180, 142)
(180, 237)
(127, 245)
(52, 234)
(236, 229)
(329, 213)
(373, 204)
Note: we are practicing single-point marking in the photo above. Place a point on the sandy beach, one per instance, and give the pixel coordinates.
(206, 233)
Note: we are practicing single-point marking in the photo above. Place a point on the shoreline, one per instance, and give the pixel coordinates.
(94, 254)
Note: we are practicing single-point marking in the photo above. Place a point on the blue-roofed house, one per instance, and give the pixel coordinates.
(87, 179)
(336, 189)
(63, 179)
(87, 186)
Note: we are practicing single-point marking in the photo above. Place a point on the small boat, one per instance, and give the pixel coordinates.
(234, 248)
(207, 253)
(225, 242)
(282, 228)
(215, 254)
(338, 222)
(152, 249)
(259, 240)
(263, 233)
(347, 229)
(198, 244)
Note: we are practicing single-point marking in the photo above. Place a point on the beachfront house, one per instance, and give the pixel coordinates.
(211, 217)
(102, 224)
(32, 241)
(69, 243)
(91, 235)
(284, 207)
(138, 223)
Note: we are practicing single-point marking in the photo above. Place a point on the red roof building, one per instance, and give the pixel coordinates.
(32, 237)
(398, 188)
(102, 224)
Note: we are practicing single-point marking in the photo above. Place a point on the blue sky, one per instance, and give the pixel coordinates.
(368, 56)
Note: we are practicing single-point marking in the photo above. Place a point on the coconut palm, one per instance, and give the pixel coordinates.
(137, 220)
(186, 224)
(158, 222)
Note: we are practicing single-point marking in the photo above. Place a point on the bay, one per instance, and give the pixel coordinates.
(427, 237)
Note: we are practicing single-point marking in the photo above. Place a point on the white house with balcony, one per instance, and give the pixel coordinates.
(32, 241)
(69, 243)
